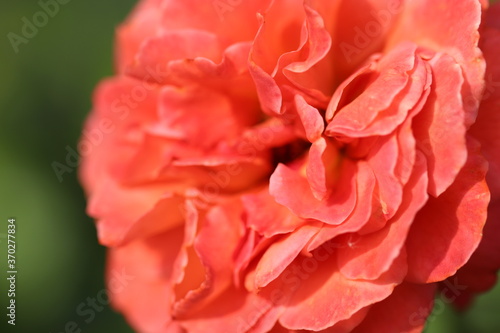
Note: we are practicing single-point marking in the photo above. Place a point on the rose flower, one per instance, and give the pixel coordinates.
(298, 166)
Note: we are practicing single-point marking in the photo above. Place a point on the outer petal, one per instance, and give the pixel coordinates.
(218, 17)
(235, 310)
(335, 297)
(451, 27)
(116, 124)
(441, 124)
(383, 159)
(448, 229)
(126, 212)
(404, 311)
(216, 256)
(142, 24)
(486, 127)
(139, 279)
(480, 273)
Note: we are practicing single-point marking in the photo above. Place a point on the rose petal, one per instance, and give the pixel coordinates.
(281, 253)
(124, 212)
(267, 217)
(393, 75)
(335, 297)
(486, 127)
(448, 229)
(367, 214)
(405, 310)
(141, 24)
(383, 159)
(215, 256)
(358, 34)
(235, 310)
(450, 27)
(139, 280)
(285, 183)
(441, 124)
(373, 254)
(321, 169)
(310, 119)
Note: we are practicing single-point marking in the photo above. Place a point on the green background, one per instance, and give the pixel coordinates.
(45, 92)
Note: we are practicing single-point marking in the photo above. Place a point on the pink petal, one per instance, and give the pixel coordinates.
(406, 139)
(270, 95)
(310, 119)
(441, 124)
(281, 253)
(450, 27)
(358, 34)
(267, 217)
(321, 169)
(414, 92)
(405, 310)
(366, 216)
(305, 68)
(139, 280)
(480, 272)
(374, 253)
(488, 121)
(393, 79)
(143, 23)
(349, 89)
(203, 117)
(175, 45)
(218, 17)
(235, 310)
(217, 257)
(286, 184)
(325, 297)
(383, 159)
(449, 228)
(125, 212)
(116, 124)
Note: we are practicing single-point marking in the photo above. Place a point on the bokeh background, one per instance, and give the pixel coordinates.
(45, 94)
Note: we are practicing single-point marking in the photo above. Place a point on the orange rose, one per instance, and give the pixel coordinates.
(298, 166)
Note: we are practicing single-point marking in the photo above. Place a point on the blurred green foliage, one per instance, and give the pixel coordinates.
(45, 95)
